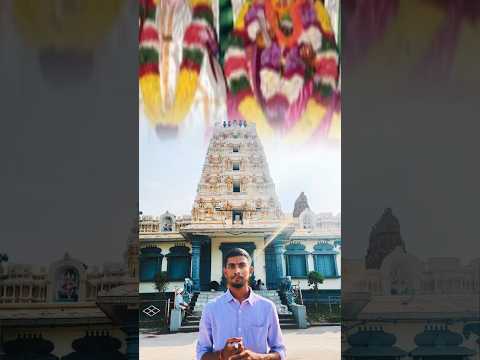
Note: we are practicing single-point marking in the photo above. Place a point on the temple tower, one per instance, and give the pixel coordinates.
(235, 187)
(384, 238)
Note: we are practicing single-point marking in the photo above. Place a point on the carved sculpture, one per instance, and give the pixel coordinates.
(287, 289)
(229, 182)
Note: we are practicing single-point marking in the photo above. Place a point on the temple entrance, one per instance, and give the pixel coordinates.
(205, 264)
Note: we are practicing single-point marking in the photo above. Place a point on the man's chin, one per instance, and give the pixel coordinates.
(238, 285)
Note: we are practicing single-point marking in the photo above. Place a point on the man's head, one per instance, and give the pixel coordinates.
(237, 268)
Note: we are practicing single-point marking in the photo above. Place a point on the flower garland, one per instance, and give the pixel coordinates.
(148, 61)
(199, 39)
(297, 75)
(242, 102)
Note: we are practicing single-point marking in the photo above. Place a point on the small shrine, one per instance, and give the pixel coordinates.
(438, 342)
(372, 343)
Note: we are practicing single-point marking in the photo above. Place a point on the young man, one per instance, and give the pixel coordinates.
(239, 325)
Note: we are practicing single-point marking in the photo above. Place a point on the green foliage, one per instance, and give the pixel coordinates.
(314, 279)
(161, 282)
(323, 313)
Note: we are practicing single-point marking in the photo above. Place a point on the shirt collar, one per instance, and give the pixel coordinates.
(251, 298)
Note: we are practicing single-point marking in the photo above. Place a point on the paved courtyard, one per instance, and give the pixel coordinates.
(320, 342)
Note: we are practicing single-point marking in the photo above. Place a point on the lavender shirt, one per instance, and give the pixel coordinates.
(255, 320)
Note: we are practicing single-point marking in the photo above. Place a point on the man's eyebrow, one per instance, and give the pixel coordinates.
(239, 263)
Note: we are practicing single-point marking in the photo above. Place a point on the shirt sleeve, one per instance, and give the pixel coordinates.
(275, 338)
(205, 340)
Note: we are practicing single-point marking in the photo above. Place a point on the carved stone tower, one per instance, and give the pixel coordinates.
(235, 187)
(300, 204)
(384, 238)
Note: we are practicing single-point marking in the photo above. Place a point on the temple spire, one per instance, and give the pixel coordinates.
(384, 238)
(235, 184)
(300, 204)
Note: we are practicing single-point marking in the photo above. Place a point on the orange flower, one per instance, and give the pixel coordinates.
(272, 15)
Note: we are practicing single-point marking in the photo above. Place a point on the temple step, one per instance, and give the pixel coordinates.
(188, 329)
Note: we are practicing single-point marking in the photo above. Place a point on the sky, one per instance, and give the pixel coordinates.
(169, 172)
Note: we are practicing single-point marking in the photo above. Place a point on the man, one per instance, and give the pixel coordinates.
(239, 325)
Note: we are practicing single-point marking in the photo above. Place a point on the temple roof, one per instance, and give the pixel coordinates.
(430, 307)
(51, 314)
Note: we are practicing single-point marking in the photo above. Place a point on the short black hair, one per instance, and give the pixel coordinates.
(237, 252)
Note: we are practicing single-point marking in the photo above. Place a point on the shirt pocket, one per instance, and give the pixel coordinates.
(257, 336)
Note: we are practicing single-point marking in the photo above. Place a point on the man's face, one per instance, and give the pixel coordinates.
(237, 271)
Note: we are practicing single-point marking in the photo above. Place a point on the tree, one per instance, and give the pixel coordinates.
(161, 282)
(314, 279)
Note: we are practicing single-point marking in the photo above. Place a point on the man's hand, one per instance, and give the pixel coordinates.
(247, 355)
(230, 349)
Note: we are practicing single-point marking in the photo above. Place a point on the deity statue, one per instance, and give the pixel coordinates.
(187, 290)
(229, 182)
(286, 288)
(67, 286)
(282, 69)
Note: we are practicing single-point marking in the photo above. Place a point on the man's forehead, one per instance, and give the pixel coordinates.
(237, 260)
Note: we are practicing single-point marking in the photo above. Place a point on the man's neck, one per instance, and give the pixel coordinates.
(240, 294)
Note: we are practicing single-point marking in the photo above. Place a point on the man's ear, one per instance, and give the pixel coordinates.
(225, 272)
(251, 270)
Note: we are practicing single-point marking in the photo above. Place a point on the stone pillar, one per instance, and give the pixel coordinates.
(175, 320)
(196, 246)
(279, 249)
(132, 342)
(310, 263)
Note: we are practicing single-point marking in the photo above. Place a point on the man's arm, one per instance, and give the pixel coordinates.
(211, 356)
(250, 355)
(205, 339)
(226, 353)
(275, 338)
